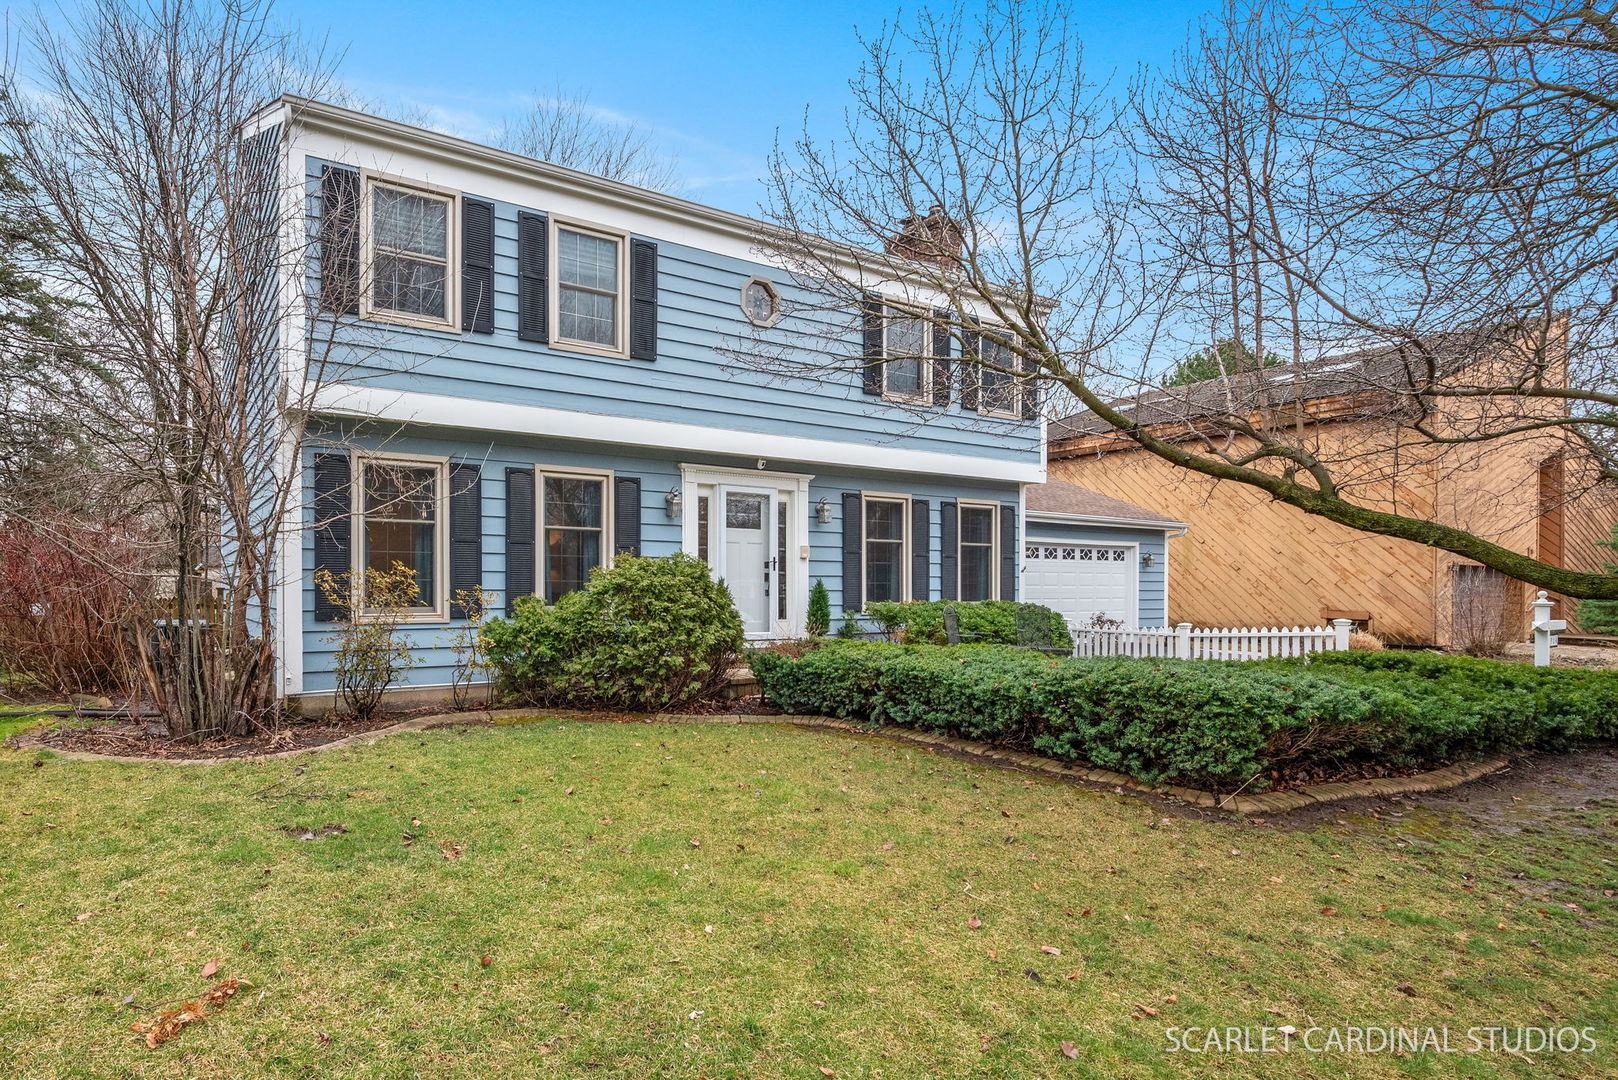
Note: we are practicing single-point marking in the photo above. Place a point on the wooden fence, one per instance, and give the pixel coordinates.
(1183, 642)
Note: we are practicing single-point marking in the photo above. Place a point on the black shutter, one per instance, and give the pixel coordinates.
(948, 553)
(465, 536)
(626, 515)
(853, 551)
(334, 527)
(642, 300)
(519, 535)
(871, 323)
(941, 337)
(971, 374)
(1008, 551)
(477, 266)
(533, 301)
(1030, 391)
(921, 553)
(340, 240)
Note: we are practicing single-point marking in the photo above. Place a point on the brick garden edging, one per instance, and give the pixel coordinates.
(1272, 802)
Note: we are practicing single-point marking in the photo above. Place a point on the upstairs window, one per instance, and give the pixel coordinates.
(906, 374)
(887, 545)
(998, 389)
(589, 289)
(410, 233)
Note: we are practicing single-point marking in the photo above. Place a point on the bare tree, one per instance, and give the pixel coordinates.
(564, 128)
(1413, 198)
(173, 225)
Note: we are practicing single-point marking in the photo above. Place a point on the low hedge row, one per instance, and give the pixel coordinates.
(1208, 724)
(980, 621)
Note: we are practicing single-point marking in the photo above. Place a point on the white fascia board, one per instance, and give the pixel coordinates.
(437, 410)
(1178, 528)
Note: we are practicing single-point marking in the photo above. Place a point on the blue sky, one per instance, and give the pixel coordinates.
(714, 81)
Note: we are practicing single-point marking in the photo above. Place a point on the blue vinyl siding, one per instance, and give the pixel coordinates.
(697, 378)
(660, 536)
(1152, 579)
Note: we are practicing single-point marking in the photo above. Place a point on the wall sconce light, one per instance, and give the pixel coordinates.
(1148, 560)
(823, 511)
(672, 503)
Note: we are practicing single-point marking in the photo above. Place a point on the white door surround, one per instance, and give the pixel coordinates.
(758, 561)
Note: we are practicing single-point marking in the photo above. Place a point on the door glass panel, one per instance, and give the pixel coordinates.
(781, 560)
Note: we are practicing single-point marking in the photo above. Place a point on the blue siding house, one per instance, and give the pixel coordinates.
(525, 371)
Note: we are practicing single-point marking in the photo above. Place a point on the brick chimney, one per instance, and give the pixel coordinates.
(931, 238)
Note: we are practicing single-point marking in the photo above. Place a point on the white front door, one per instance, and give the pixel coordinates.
(1088, 584)
(749, 556)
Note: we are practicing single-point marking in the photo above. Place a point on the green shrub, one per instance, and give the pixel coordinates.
(646, 634)
(818, 623)
(991, 622)
(1207, 723)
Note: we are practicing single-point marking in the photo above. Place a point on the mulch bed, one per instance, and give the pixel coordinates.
(146, 739)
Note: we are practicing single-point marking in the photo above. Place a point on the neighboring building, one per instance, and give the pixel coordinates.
(533, 379)
(1251, 561)
(1098, 560)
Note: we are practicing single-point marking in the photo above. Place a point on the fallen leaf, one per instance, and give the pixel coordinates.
(1050, 949)
(1328, 911)
(569, 791)
(209, 969)
(826, 1072)
(1069, 1050)
(486, 961)
(696, 843)
(1172, 999)
(1084, 913)
(818, 1004)
(974, 922)
(1147, 1009)
(889, 847)
(1407, 990)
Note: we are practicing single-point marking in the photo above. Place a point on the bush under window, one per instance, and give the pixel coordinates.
(921, 622)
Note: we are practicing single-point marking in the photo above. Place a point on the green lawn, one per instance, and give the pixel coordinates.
(723, 901)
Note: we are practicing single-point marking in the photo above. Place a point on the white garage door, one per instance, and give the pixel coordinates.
(1081, 581)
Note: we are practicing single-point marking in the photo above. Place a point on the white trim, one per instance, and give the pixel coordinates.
(1178, 528)
(369, 181)
(438, 612)
(608, 493)
(620, 302)
(994, 546)
(405, 406)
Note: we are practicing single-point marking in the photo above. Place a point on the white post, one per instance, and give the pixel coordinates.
(1182, 641)
(1342, 628)
(1545, 628)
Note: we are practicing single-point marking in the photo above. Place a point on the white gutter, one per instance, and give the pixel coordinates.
(1173, 528)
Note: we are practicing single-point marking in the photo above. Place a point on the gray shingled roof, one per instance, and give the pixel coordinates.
(1060, 497)
(1370, 370)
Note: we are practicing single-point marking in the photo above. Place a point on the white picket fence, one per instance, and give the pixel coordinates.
(1182, 642)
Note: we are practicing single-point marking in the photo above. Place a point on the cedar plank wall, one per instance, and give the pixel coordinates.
(1250, 561)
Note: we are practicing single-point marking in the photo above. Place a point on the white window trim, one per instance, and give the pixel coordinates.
(1017, 390)
(554, 286)
(775, 308)
(994, 546)
(924, 396)
(541, 548)
(906, 591)
(452, 253)
(439, 611)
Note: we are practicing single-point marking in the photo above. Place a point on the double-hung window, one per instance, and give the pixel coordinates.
(978, 530)
(589, 289)
(573, 522)
(998, 389)
(410, 238)
(906, 371)
(887, 543)
(402, 523)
